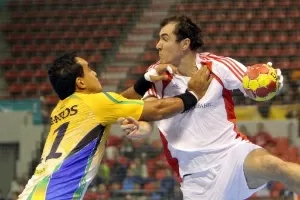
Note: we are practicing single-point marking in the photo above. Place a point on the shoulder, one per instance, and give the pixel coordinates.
(225, 65)
(100, 97)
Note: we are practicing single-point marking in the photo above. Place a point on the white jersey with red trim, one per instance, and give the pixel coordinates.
(200, 137)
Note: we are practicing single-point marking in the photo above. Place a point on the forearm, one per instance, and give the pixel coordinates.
(161, 109)
(130, 93)
(290, 176)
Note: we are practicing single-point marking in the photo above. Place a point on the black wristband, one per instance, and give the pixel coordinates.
(141, 86)
(189, 100)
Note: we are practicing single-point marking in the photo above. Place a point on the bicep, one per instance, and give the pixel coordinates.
(230, 72)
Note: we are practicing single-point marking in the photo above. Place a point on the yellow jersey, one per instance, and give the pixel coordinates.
(75, 145)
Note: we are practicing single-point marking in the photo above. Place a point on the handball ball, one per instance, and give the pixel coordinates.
(260, 82)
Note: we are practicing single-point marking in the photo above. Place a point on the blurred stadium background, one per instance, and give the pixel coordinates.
(118, 37)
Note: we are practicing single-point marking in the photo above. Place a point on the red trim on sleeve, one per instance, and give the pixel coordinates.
(228, 65)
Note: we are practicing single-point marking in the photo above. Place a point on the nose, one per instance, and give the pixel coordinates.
(95, 73)
(158, 45)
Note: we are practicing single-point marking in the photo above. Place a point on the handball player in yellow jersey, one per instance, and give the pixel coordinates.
(81, 120)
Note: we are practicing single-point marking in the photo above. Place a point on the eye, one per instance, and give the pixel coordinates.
(165, 39)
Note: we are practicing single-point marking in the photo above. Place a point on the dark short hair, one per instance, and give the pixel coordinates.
(185, 28)
(63, 73)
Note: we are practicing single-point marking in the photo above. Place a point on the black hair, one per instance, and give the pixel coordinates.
(63, 73)
(185, 28)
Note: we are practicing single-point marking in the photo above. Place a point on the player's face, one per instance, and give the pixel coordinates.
(89, 82)
(169, 49)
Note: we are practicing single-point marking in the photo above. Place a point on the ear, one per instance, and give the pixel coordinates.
(185, 44)
(80, 83)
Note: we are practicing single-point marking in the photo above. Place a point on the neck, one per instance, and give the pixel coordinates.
(82, 91)
(187, 65)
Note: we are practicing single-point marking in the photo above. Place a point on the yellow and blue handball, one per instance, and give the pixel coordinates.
(261, 82)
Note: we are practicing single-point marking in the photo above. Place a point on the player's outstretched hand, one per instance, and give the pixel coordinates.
(159, 73)
(200, 81)
(134, 129)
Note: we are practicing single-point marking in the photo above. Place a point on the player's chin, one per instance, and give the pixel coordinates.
(162, 61)
(99, 89)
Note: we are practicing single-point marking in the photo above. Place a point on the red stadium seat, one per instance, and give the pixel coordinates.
(258, 51)
(129, 83)
(250, 38)
(280, 37)
(295, 37)
(31, 49)
(241, 27)
(11, 76)
(253, 4)
(272, 25)
(75, 47)
(61, 47)
(233, 16)
(95, 59)
(233, 39)
(257, 26)
(126, 56)
(55, 36)
(283, 64)
(30, 89)
(270, 4)
(26, 75)
(28, 38)
(211, 28)
(117, 69)
(40, 75)
(7, 63)
(228, 27)
(295, 64)
(51, 100)
(274, 51)
(150, 56)
(21, 63)
(13, 38)
(17, 50)
(49, 60)
(113, 33)
(110, 81)
(41, 37)
(289, 50)
(293, 12)
(69, 35)
(278, 14)
(105, 45)
(140, 69)
(45, 88)
(36, 62)
(15, 89)
(243, 52)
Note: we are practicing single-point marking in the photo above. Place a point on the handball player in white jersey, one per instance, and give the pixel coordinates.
(214, 160)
